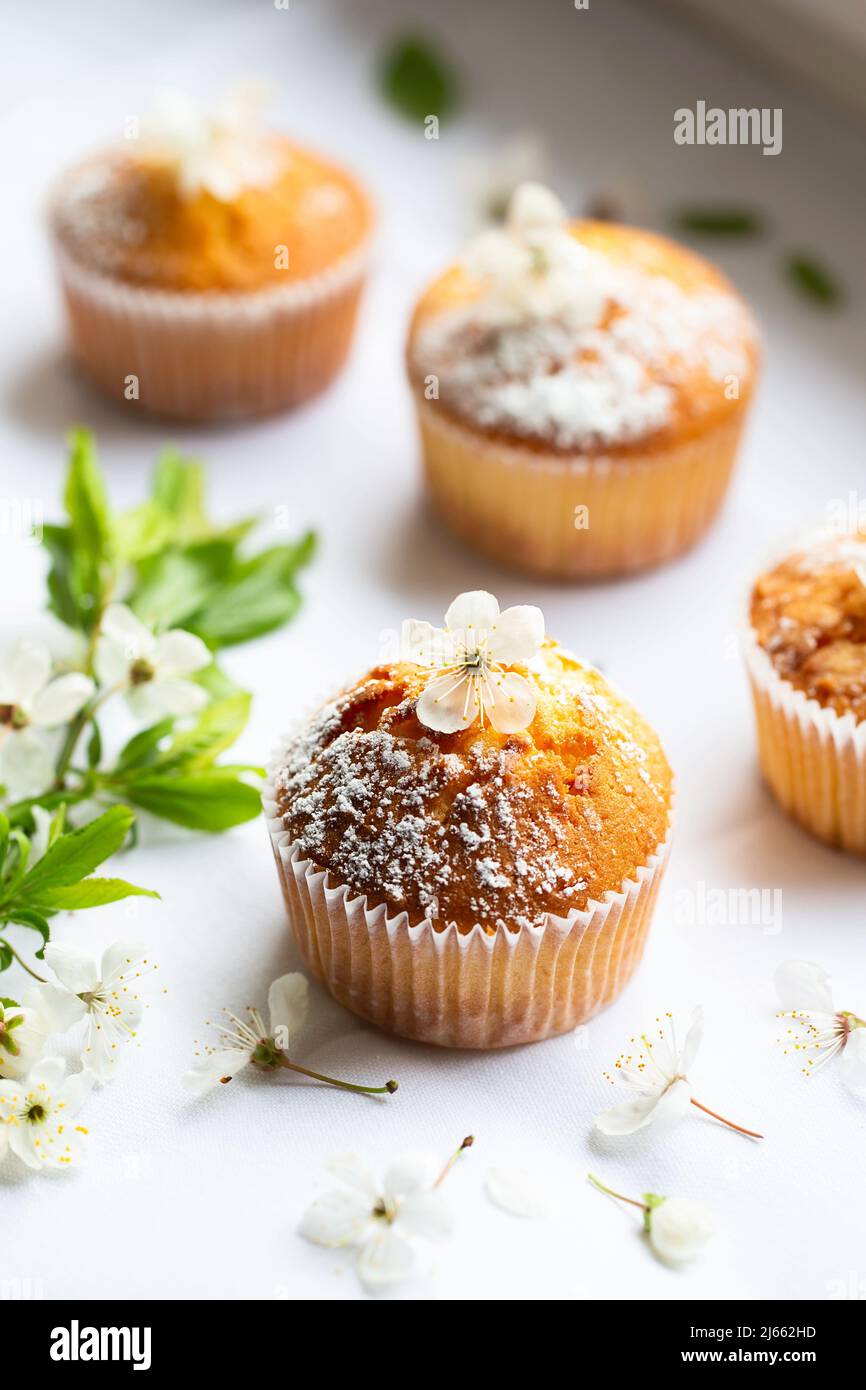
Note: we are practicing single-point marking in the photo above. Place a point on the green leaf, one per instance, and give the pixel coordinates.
(142, 747)
(813, 280)
(62, 601)
(720, 221)
(9, 1003)
(94, 747)
(143, 531)
(78, 853)
(417, 81)
(209, 801)
(259, 596)
(217, 728)
(86, 503)
(6, 956)
(172, 585)
(92, 892)
(28, 917)
(4, 839)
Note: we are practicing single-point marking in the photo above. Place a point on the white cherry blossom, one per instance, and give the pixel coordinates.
(654, 1071)
(533, 268)
(32, 701)
(239, 1043)
(471, 656)
(678, 1228)
(37, 1115)
(152, 670)
(106, 996)
(819, 1030)
(23, 1032)
(387, 1223)
(221, 151)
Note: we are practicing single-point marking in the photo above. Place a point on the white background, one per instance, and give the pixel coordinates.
(181, 1198)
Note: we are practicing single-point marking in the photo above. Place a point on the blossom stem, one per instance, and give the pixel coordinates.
(632, 1201)
(467, 1144)
(388, 1089)
(752, 1133)
(21, 961)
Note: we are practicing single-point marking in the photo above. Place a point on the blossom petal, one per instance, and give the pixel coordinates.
(75, 1091)
(427, 1215)
(472, 614)
(120, 625)
(25, 767)
(627, 1117)
(166, 695)
(56, 1009)
(494, 253)
(692, 1044)
(517, 634)
(120, 960)
(509, 702)
(803, 985)
(339, 1217)
(48, 1072)
(288, 1000)
(516, 1191)
(534, 205)
(181, 652)
(673, 1102)
(679, 1229)
(447, 704)
(61, 699)
(853, 1061)
(215, 1068)
(353, 1171)
(73, 969)
(385, 1257)
(426, 645)
(25, 669)
(411, 1173)
(111, 662)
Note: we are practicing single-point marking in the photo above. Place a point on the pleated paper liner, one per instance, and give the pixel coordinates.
(211, 356)
(813, 759)
(468, 990)
(527, 509)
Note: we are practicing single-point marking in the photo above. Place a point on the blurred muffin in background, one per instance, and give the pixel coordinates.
(470, 840)
(212, 269)
(581, 391)
(806, 654)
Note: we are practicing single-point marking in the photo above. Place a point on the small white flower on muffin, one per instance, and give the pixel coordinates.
(388, 1223)
(220, 151)
(30, 701)
(533, 268)
(678, 1228)
(821, 1031)
(655, 1072)
(471, 655)
(152, 670)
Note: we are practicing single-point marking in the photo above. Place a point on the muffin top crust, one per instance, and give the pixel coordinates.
(809, 616)
(129, 217)
(478, 827)
(583, 336)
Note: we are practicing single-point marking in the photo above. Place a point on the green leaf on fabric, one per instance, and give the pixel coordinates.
(214, 800)
(78, 853)
(417, 81)
(814, 280)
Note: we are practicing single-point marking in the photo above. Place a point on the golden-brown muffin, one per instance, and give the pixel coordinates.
(483, 887)
(580, 413)
(807, 662)
(213, 277)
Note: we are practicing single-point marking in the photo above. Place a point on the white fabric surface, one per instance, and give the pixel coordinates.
(182, 1198)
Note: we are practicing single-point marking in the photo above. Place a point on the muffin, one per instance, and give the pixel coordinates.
(581, 389)
(470, 840)
(806, 653)
(212, 270)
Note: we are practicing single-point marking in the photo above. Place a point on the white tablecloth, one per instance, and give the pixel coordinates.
(180, 1198)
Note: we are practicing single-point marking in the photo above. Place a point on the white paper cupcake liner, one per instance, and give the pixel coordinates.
(813, 759)
(219, 355)
(470, 989)
(520, 506)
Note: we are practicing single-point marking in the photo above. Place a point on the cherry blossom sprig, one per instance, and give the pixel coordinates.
(472, 656)
(820, 1032)
(655, 1072)
(678, 1228)
(388, 1223)
(241, 1044)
